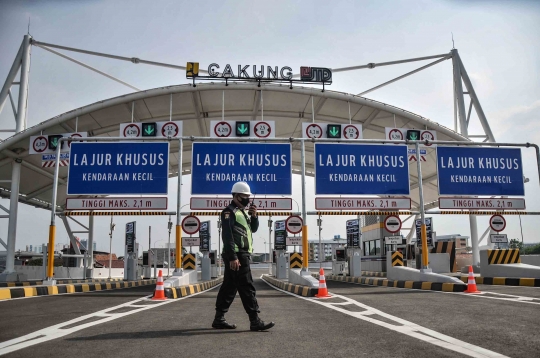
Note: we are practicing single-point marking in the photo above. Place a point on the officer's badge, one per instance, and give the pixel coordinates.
(226, 215)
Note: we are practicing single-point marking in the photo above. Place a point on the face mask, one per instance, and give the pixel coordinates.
(243, 201)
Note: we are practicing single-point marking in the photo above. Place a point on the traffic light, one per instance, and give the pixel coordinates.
(333, 131)
(242, 129)
(54, 140)
(148, 129)
(413, 134)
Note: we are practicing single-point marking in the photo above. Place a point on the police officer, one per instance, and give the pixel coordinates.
(237, 248)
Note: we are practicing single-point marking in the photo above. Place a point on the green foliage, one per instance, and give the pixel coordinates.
(534, 250)
(516, 244)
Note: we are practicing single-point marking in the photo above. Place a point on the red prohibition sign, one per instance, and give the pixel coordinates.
(427, 134)
(191, 225)
(74, 135)
(163, 130)
(392, 131)
(315, 126)
(39, 150)
(388, 228)
(260, 124)
(500, 221)
(130, 126)
(219, 124)
(355, 131)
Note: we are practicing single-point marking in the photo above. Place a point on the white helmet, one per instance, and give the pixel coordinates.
(241, 188)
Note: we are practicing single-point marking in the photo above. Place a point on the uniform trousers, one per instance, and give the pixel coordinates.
(239, 281)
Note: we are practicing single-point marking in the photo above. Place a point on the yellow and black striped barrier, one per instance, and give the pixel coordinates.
(183, 291)
(397, 258)
(505, 281)
(296, 260)
(505, 256)
(447, 248)
(30, 291)
(118, 213)
(360, 212)
(374, 273)
(259, 213)
(188, 262)
(300, 290)
(58, 282)
(383, 282)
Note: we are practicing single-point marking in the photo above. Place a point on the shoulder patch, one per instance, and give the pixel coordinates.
(226, 214)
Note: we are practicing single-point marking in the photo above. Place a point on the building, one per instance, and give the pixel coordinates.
(327, 247)
(84, 242)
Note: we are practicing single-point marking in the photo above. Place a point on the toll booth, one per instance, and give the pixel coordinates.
(280, 269)
(339, 260)
(213, 263)
(354, 261)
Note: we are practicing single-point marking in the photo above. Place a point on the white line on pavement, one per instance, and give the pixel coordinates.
(56, 331)
(408, 328)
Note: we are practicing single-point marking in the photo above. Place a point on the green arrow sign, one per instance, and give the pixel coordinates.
(242, 129)
(149, 130)
(334, 132)
(54, 142)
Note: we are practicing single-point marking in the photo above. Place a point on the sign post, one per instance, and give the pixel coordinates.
(497, 223)
(353, 233)
(280, 235)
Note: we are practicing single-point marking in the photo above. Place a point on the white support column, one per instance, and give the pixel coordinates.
(20, 119)
(10, 77)
(12, 225)
(90, 248)
(458, 92)
(474, 240)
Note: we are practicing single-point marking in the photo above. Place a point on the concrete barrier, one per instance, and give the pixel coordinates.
(296, 276)
(401, 273)
(505, 263)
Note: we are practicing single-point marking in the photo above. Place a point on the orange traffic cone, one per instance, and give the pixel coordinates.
(159, 293)
(471, 284)
(323, 291)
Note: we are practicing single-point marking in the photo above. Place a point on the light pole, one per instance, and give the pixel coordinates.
(169, 226)
(112, 226)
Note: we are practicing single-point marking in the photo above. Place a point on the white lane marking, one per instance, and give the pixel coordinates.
(408, 328)
(56, 331)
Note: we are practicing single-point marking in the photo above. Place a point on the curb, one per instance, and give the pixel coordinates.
(299, 290)
(19, 292)
(505, 281)
(383, 282)
(183, 291)
(59, 282)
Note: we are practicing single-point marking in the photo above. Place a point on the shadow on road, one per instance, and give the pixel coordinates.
(156, 334)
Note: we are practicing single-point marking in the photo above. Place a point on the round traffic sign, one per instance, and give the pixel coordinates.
(497, 223)
(427, 135)
(351, 132)
(395, 134)
(222, 129)
(392, 223)
(74, 135)
(169, 129)
(293, 224)
(40, 144)
(314, 131)
(262, 129)
(191, 225)
(132, 131)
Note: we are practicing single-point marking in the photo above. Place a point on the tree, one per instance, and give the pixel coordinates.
(516, 244)
(534, 250)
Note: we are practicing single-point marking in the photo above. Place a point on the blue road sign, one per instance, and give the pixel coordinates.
(118, 168)
(480, 171)
(360, 169)
(265, 167)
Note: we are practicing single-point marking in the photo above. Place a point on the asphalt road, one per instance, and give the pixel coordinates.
(358, 321)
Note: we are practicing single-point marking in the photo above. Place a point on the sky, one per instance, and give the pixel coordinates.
(497, 42)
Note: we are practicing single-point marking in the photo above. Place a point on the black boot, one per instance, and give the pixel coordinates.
(258, 325)
(221, 323)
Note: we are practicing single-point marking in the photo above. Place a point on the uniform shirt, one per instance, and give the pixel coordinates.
(228, 222)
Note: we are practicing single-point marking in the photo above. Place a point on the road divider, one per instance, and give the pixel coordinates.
(21, 292)
(505, 281)
(183, 291)
(300, 290)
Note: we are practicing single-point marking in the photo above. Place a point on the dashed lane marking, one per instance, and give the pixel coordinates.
(400, 325)
(86, 321)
